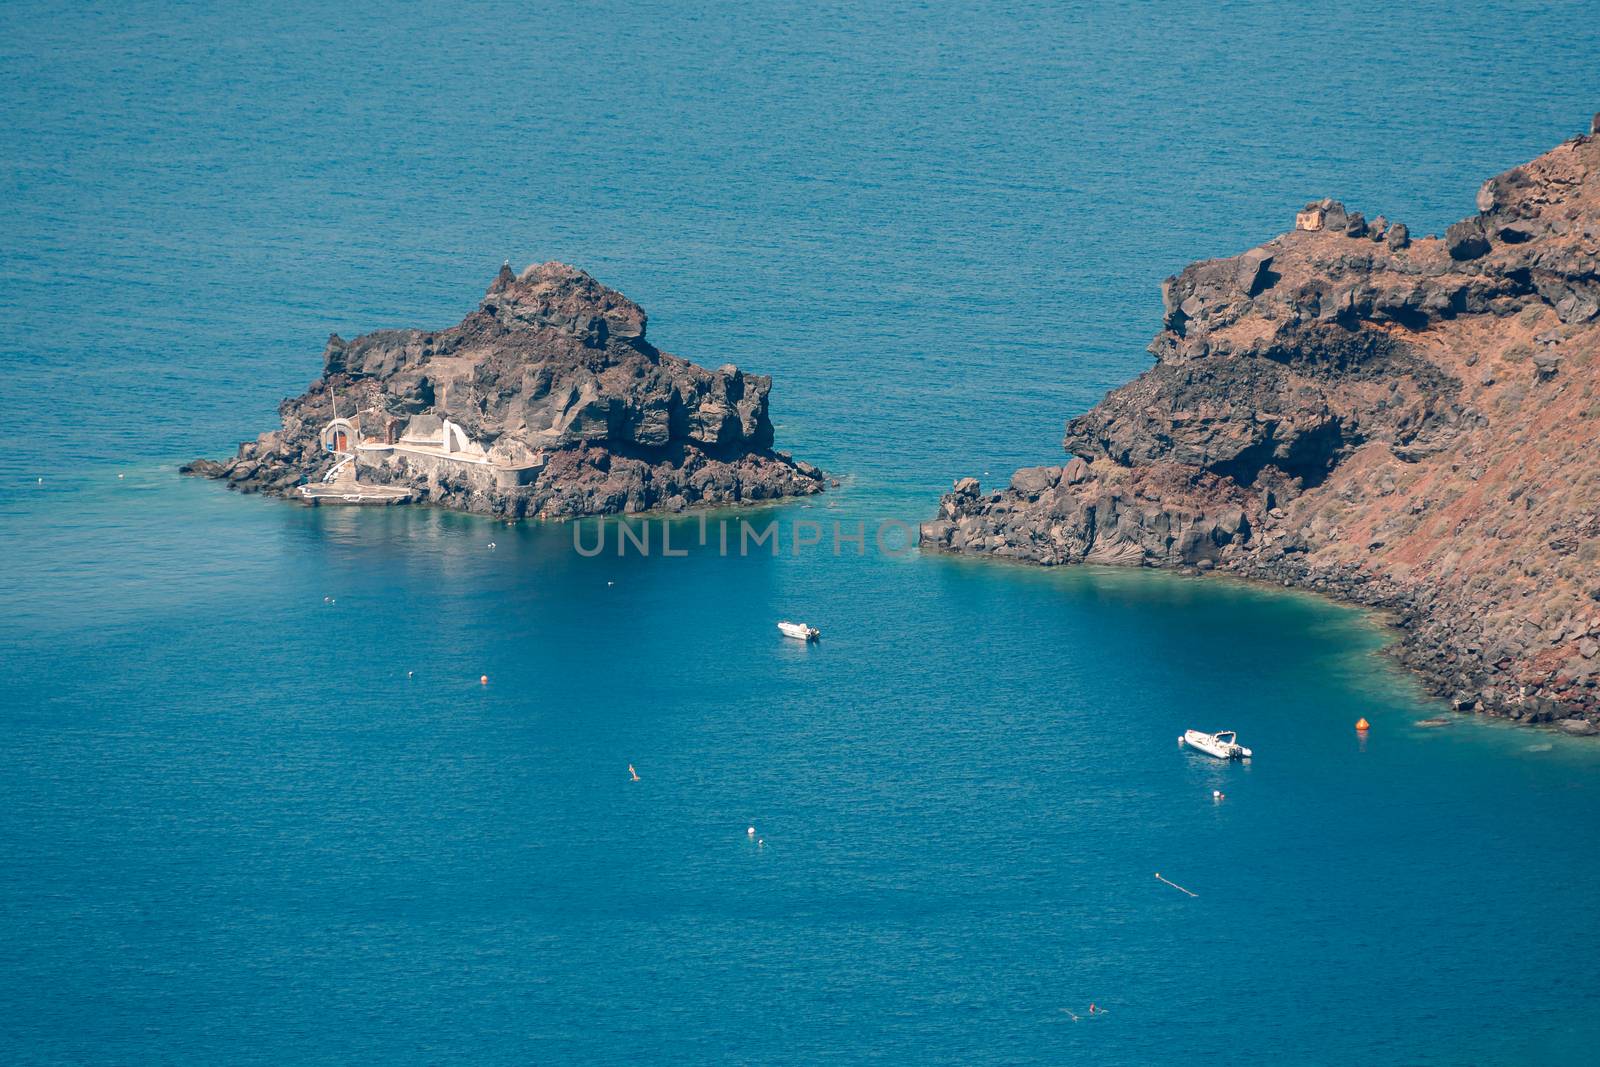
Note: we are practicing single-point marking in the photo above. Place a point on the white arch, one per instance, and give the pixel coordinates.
(330, 436)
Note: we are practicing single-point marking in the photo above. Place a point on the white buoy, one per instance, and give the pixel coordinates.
(610, 584)
(120, 477)
(410, 674)
(751, 832)
(761, 842)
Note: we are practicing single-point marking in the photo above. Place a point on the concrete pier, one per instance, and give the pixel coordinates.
(345, 488)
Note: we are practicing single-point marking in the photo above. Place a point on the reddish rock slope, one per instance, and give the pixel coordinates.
(1408, 424)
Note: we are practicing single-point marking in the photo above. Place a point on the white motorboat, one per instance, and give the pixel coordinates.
(1223, 745)
(799, 631)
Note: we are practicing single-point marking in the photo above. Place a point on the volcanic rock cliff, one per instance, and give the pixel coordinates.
(1406, 424)
(546, 401)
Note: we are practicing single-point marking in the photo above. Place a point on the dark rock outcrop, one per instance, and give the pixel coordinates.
(1406, 425)
(553, 402)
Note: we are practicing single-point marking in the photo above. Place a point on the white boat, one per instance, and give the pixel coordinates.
(799, 631)
(1223, 745)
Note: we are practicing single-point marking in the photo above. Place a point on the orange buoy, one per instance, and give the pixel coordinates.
(1362, 726)
(483, 679)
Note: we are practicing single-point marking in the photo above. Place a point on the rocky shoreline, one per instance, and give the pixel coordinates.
(1409, 425)
(545, 402)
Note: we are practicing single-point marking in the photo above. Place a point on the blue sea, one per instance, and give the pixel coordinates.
(256, 805)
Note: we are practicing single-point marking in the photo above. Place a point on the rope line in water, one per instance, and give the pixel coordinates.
(1174, 885)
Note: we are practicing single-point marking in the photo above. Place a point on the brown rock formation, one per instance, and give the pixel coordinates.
(1407, 424)
(553, 402)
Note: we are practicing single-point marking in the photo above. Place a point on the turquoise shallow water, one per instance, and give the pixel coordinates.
(233, 830)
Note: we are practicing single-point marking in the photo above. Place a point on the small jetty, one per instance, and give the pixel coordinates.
(341, 486)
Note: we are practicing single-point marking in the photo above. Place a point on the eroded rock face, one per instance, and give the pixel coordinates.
(1405, 424)
(553, 372)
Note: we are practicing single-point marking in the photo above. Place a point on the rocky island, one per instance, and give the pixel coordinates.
(547, 401)
(1406, 424)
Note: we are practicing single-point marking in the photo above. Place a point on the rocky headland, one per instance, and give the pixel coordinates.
(1410, 424)
(547, 401)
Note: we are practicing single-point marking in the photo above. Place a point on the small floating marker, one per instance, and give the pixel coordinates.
(41, 481)
(751, 832)
(491, 544)
(483, 679)
(610, 584)
(120, 477)
(633, 774)
(761, 842)
(1362, 726)
(1175, 885)
(1217, 794)
(410, 674)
